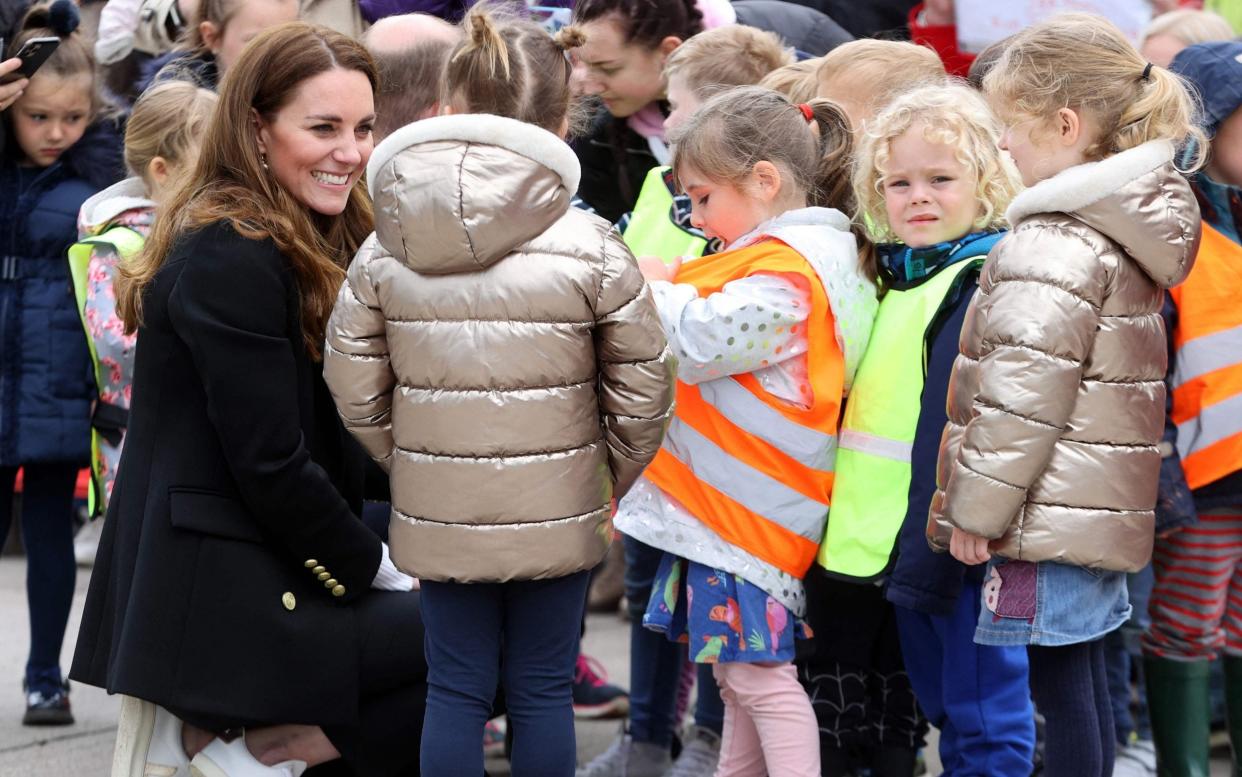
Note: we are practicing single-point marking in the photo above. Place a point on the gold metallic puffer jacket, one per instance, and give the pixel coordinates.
(1056, 404)
(498, 352)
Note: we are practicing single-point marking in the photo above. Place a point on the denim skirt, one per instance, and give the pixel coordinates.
(1045, 603)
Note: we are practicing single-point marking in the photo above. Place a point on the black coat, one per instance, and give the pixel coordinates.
(229, 489)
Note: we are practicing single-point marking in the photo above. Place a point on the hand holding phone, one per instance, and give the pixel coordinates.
(32, 55)
(9, 92)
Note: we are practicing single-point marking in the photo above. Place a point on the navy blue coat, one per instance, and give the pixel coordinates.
(46, 382)
(924, 580)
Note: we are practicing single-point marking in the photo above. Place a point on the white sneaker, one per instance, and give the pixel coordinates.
(148, 742)
(233, 759)
(86, 542)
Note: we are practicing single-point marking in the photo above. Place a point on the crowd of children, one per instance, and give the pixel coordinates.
(893, 383)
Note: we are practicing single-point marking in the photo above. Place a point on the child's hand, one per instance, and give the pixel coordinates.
(654, 268)
(969, 548)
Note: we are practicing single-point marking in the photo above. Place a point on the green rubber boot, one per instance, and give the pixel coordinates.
(1233, 708)
(1177, 697)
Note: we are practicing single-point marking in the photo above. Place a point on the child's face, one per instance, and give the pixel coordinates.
(252, 18)
(721, 209)
(51, 116)
(682, 103)
(1225, 163)
(1042, 149)
(928, 193)
(626, 76)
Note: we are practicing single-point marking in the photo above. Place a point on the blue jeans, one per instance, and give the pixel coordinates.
(524, 634)
(655, 662)
(47, 534)
(976, 695)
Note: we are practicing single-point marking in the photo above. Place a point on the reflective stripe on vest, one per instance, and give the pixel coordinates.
(871, 495)
(126, 242)
(652, 230)
(1207, 374)
(756, 470)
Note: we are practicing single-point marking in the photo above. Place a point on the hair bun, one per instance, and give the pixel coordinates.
(570, 37)
(61, 17)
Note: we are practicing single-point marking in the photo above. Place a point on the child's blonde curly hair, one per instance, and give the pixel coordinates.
(952, 114)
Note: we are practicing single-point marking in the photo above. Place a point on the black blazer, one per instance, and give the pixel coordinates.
(236, 484)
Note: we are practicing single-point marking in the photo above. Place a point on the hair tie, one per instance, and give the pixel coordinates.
(807, 111)
(1146, 73)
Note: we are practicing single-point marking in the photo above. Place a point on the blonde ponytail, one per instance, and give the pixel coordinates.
(1166, 108)
(484, 41)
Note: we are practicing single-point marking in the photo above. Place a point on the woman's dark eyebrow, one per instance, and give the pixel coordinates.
(337, 119)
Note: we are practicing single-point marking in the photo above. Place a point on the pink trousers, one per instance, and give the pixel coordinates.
(769, 725)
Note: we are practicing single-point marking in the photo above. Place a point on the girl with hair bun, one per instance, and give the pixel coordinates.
(59, 150)
(1050, 462)
(498, 352)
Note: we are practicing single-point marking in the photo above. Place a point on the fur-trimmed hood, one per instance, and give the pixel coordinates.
(1137, 198)
(457, 193)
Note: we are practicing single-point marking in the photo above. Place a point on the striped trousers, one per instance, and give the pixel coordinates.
(1196, 606)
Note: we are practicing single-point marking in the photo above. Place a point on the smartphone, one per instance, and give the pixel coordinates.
(33, 54)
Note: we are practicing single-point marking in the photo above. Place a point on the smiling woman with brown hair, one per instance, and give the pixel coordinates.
(233, 587)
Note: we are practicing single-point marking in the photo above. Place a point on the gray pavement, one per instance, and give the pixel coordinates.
(85, 749)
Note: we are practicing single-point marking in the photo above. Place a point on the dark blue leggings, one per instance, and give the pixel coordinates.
(524, 634)
(47, 534)
(1070, 686)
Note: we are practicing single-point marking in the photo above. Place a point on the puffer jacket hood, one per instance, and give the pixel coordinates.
(498, 352)
(1057, 401)
(498, 184)
(1122, 197)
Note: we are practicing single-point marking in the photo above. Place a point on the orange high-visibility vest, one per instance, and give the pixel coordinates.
(1207, 374)
(756, 470)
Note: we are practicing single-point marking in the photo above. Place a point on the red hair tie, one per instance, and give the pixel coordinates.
(807, 111)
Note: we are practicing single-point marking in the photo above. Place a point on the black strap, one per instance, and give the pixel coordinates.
(110, 421)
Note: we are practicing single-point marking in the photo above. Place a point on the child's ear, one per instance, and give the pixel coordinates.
(210, 34)
(767, 180)
(157, 171)
(1069, 126)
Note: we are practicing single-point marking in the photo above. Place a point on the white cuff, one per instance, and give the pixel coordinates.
(388, 577)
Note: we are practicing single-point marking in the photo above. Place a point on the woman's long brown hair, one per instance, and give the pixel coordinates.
(229, 182)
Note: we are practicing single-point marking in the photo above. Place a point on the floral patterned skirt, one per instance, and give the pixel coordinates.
(723, 618)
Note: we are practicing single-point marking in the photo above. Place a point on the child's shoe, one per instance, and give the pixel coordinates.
(594, 698)
(627, 758)
(699, 755)
(47, 704)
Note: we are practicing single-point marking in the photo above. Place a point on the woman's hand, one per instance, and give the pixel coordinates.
(10, 92)
(969, 548)
(654, 268)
